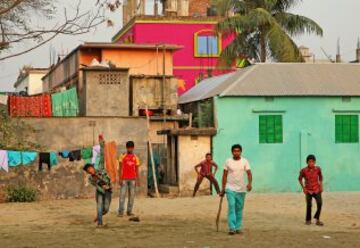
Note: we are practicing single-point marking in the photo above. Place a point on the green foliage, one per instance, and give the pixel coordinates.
(263, 30)
(21, 193)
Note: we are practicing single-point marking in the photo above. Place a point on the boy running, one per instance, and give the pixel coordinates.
(129, 178)
(206, 171)
(312, 189)
(233, 184)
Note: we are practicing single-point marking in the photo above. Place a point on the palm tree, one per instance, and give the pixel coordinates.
(263, 29)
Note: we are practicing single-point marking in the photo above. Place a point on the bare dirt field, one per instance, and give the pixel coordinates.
(271, 220)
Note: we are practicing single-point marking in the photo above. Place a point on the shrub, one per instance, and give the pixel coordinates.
(21, 193)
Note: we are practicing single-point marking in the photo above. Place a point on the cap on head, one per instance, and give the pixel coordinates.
(130, 144)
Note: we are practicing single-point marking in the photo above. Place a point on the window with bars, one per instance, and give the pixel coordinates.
(270, 129)
(346, 128)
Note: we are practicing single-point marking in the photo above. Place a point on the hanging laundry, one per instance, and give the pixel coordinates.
(86, 153)
(28, 157)
(53, 159)
(48, 158)
(4, 164)
(65, 103)
(64, 154)
(14, 158)
(75, 155)
(110, 160)
(30, 106)
(96, 156)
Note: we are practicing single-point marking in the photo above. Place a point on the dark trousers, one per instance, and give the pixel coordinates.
(318, 200)
(210, 178)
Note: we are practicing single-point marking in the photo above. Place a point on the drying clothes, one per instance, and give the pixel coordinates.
(64, 154)
(14, 158)
(4, 164)
(53, 159)
(47, 158)
(95, 153)
(86, 153)
(36, 106)
(75, 155)
(65, 103)
(28, 157)
(110, 160)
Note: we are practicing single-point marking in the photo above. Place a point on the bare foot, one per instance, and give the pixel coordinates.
(95, 219)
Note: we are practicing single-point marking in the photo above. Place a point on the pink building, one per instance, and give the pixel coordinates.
(201, 44)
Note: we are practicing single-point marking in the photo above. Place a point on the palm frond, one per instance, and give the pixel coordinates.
(297, 24)
(281, 46)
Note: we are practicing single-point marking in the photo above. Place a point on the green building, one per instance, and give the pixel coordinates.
(280, 113)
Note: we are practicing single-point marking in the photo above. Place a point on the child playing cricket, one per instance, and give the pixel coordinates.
(312, 189)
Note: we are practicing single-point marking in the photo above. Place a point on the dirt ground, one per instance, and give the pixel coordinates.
(271, 220)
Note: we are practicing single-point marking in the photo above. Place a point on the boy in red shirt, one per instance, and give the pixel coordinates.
(129, 178)
(206, 171)
(313, 188)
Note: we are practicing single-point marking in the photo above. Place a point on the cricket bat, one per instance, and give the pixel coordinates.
(219, 213)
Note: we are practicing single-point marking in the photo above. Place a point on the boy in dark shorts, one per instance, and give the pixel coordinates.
(312, 189)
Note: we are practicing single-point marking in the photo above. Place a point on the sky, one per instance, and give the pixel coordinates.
(338, 18)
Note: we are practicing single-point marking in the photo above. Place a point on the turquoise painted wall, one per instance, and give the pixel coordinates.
(308, 127)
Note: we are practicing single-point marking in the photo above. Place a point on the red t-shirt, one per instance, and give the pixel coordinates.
(205, 167)
(312, 176)
(129, 162)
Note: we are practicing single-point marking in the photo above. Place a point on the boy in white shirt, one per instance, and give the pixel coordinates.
(233, 184)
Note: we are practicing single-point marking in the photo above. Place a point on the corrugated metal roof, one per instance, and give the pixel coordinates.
(205, 89)
(285, 79)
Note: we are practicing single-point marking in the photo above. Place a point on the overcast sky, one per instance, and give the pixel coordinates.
(338, 18)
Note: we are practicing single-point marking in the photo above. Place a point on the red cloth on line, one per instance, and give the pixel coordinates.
(30, 106)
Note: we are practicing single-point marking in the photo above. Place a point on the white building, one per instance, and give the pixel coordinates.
(29, 80)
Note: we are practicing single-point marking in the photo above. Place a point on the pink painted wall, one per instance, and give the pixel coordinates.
(177, 34)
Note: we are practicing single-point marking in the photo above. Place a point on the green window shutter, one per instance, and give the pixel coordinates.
(346, 128)
(270, 129)
(278, 129)
(262, 129)
(338, 129)
(354, 129)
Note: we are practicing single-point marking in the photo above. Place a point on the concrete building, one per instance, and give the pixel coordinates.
(29, 80)
(186, 147)
(201, 44)
(280, 113)
(105, 91)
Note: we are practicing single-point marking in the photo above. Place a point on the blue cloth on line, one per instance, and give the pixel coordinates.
(53, 159)
(64, 154)
(14, 158)
(28, 157)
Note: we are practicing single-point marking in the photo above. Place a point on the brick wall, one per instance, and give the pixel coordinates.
(198, 7)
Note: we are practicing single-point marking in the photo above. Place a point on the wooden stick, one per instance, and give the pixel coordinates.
(151, 154)
(219, 213)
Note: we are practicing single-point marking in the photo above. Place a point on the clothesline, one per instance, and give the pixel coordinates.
(11, 158)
